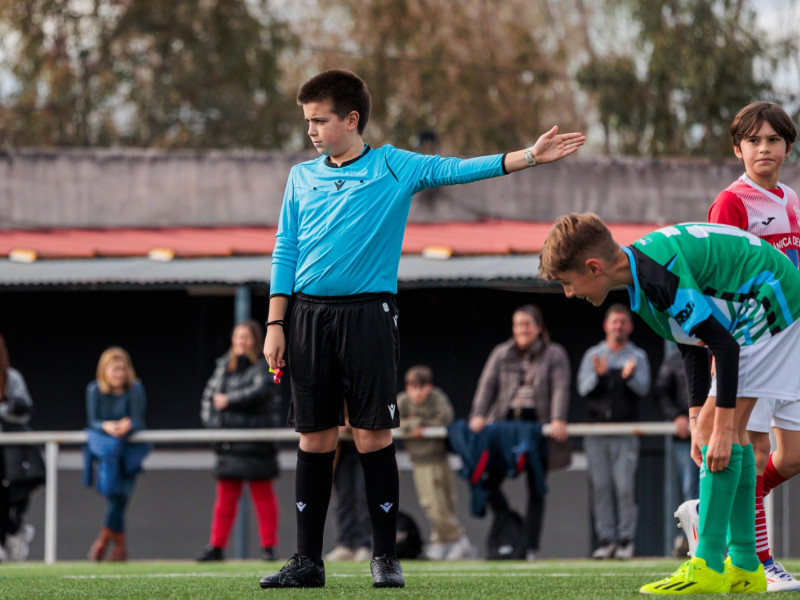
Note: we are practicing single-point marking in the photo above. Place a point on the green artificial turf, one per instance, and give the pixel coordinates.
(468, 580)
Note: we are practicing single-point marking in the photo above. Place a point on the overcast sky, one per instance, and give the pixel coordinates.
(779, 16)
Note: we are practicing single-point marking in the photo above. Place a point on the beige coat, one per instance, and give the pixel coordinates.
(500, 380)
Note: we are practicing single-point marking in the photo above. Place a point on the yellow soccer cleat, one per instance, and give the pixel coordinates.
(692, 577)
(746, 582)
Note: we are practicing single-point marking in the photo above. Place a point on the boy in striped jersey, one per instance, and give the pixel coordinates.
(762, 135)
(702, 286)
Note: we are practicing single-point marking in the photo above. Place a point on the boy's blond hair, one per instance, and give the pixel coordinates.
(573, 239)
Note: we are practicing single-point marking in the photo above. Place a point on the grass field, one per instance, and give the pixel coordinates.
(473, 580)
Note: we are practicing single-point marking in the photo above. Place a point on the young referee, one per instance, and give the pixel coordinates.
(336, 257)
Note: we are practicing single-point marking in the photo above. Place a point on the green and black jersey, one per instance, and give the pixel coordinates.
(686, 273)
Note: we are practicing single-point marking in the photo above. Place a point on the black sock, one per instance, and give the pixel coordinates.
(382, 483)
(312, 492)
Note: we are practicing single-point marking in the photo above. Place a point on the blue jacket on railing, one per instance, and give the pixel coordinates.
(504, 447)
(116, 460)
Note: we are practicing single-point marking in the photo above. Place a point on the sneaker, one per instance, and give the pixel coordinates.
(268, 553)
(386, 572)
(745, 582)
(298, 572)
(18, 544)
(605, 549)
(624, 550)
(338, 554)
(779, 579)
(688, 518)
(461, 549)
(692, 577)
(363, 554)
(530, 555)
(436, 551)
(210, 554)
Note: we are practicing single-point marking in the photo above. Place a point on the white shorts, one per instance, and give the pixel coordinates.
(769, 413)
(770, 369)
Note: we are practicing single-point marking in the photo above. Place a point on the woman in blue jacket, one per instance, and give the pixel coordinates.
(115, 406)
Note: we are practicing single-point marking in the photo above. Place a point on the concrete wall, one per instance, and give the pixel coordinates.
(170, 513)
(103, 188)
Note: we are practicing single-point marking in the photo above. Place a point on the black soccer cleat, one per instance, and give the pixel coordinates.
(386, 572)
(210, 554)
(298, 572)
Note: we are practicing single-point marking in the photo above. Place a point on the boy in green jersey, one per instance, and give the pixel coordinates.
(702, 286)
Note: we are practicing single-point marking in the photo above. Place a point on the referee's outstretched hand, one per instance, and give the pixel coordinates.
(552, 146)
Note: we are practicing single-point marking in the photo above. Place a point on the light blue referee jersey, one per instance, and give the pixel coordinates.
(341, 228)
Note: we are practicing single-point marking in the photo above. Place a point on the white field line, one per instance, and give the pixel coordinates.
(364, 575)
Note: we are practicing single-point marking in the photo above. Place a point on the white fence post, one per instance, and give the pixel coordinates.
(50, 501)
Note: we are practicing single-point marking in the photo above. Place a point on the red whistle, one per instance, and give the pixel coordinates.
(277, 374)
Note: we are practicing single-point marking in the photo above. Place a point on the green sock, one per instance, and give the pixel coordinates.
(742, 526)
(717, 491)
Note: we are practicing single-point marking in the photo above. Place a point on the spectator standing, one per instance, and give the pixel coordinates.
(614, 376)
(241, 394)
(526, 377)
(21, 467)
(422, 405)
(672, 395)
(116, 403)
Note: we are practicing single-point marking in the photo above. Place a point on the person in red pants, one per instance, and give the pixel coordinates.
(241, 395)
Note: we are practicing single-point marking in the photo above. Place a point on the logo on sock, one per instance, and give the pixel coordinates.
(387, 506)
(391, 410)
(301, 506)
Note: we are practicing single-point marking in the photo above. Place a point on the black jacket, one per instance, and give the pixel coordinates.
(253, 403)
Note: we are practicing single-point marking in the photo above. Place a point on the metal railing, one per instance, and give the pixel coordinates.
(52, 440)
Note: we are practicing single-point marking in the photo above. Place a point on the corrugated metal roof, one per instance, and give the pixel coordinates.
(414, 271)
(493, 253)
(477, 238)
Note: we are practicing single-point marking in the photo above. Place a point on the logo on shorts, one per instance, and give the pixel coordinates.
(301, 506)
(391, 410)
(386, 506)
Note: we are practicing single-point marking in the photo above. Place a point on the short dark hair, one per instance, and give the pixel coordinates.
(748, 121)
(618, 308)
(419, 375)
(346, 91)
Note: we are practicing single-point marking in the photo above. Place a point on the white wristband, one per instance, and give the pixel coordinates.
(528, 155)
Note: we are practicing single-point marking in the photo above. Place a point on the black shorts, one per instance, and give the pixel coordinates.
(343, 350)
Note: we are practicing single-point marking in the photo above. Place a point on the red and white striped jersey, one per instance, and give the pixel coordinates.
(773, 215)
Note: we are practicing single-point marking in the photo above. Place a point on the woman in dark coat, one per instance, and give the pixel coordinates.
(241, 395)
